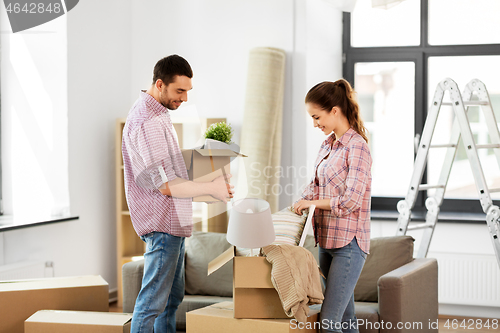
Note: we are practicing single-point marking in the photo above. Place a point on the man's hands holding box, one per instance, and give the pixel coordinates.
(223, 190)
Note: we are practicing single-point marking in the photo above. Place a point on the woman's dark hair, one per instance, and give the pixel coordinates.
(167, 68)
(328, 94)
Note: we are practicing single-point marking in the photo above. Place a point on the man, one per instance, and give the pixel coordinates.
(159, 196)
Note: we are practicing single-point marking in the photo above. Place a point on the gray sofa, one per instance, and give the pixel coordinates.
(393, 290)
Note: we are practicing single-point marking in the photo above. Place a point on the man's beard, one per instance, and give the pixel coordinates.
(170, 104)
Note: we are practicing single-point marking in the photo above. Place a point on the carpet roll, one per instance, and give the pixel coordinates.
(262, 124)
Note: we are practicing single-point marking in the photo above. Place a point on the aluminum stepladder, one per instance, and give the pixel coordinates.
(461, 127)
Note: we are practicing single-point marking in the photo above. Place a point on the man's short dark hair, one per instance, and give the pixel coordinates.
(167, 68)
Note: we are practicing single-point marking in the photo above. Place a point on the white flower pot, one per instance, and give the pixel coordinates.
(214, 144)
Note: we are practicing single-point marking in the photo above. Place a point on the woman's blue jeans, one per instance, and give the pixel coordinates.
(162, 284)
(341, 268)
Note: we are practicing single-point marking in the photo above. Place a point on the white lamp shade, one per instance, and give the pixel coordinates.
(250, 224)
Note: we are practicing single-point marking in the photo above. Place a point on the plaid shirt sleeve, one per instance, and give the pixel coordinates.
(151, 162)
(308, 192)
(359, 162)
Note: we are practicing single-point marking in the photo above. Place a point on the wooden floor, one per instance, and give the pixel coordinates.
(447, 324)
(113, 307)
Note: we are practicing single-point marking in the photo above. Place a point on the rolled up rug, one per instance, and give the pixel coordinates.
(262, 124)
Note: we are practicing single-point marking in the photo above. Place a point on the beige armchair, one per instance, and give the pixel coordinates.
(409, 295)
(394, 290)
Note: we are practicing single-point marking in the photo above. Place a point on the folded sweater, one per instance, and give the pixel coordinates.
(295, 276)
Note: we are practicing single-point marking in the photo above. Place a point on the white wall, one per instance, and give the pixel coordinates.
(99, 61)
(317, 57)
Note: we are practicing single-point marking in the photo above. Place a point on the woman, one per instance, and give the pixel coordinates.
(340, 189)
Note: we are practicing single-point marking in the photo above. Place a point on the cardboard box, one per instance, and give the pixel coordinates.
(21, 299)
(218, 318)
(254, 295)
(53, 321)
(204, 165)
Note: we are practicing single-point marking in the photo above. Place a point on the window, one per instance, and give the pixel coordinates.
(394, 59)
(34, 123)
(386, 96)
(382, 23)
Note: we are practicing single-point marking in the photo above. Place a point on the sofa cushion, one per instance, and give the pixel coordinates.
(386, 254)
(288, 226)
(132, 273)
(367, 316)
(201, 248)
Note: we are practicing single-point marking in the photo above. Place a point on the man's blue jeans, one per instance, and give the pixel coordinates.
(341, 268)
(162, 284)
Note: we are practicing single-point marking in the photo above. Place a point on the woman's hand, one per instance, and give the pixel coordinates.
(301, 205)
(323, 204)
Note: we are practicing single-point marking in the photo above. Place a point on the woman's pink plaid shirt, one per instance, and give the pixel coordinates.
(345, 178)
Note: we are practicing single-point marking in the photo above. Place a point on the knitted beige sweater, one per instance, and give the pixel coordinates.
(295, 275)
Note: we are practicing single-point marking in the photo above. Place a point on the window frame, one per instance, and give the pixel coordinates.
(420, 56)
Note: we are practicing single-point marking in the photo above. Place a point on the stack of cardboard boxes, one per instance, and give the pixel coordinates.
(22, 304)
(256, 305)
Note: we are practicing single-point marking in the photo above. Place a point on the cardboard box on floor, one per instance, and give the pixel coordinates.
(218, 318)
(21, 299)
(55, 321)
(204, 165)
(254, 295)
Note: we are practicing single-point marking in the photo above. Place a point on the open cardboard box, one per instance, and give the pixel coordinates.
(254, 295)
(21, 299)
(218, 318)
(53, 321)
(204, 165)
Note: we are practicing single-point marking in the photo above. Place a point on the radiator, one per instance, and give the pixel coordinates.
(26, 270)
(466, 279)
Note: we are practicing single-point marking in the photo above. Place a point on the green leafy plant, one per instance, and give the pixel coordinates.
(220, 132)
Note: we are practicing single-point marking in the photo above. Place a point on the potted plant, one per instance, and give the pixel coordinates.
(218, 136)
